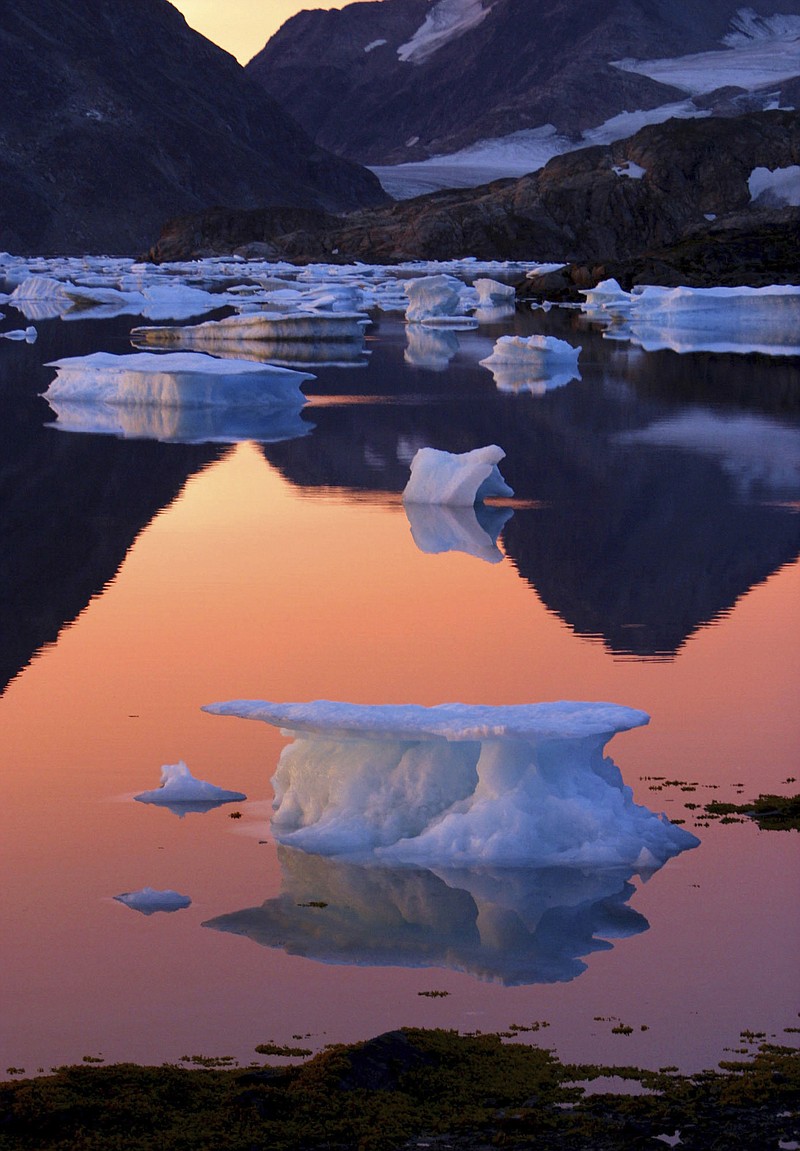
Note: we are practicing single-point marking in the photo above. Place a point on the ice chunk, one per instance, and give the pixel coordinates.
(434, 297)
(765, 320)
(607, 296)
(458, 479)
(148, 900)
(492, 292)
(27, 334)
(775, 185)
(512, 925)
(182, 793)
(474, 530)
(461, 786)
(534, 362)
(259, 325)
(189, 379)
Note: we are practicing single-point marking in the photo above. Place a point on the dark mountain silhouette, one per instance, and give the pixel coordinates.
(116, 116)
(361, 84)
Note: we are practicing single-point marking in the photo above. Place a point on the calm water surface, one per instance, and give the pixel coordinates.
(650, 560)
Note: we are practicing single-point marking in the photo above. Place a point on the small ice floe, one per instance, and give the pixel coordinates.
(537, 363)
(606, 298)
(460, 480)
(190, 379)
(27, 334)
(438, 528)
(261, 325)
(148, 900)
(439, 298)
(492, 293)
(461, 785)
(182, 793)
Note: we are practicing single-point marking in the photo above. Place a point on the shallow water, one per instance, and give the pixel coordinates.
(650, 560)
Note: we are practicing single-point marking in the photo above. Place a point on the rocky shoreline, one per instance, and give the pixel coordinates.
(404, 1090)
(671, 204)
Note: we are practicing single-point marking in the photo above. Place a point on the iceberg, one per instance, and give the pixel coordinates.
(189, 379)
(29, 335)
(261, 325)
(182, 793)
(435, 298)
(460, 480)
(44, 297)
(491, 293)
(515, 926)
(438, 528)
(538, 363)
(148, 900)
(461, 785)
(739, 320)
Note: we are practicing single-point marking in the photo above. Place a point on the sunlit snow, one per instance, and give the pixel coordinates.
(446, 21)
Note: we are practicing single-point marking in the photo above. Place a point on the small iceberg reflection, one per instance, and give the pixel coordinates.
(182, 793)
(148, 900)
(536, 363)
(513, 925)
(431, 348)
(438, 528)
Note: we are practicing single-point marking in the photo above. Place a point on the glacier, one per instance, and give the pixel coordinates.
(515, 926)
(459, 479)
(182, 793)
(460, 785)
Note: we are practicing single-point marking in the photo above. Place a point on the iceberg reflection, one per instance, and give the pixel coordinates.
(474, 530)
(510, 925)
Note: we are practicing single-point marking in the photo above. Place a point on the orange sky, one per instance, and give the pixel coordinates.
(243, 27)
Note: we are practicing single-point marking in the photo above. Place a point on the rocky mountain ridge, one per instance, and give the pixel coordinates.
(682, 182)
(116, 116)
(401, 80)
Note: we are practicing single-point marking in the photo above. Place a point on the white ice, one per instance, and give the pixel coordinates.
(458, 479)
(189, 379)
(434, 297)
(460, 785)
(630, 169)
(742, 320)
(259, 325)
(776, 185)
(148, 900)
(181, 792)
(29, 335)
(446, 21)
(491, 293)
(44, 297)
(538, 363)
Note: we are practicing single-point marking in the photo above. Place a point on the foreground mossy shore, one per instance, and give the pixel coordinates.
(406, 1089)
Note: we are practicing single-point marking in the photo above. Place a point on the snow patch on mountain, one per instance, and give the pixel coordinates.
(446, 21)
(748, 26)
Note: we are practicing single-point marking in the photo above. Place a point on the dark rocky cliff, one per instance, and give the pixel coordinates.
(115, 116)
(581, 207)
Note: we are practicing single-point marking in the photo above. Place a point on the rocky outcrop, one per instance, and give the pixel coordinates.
(352, 81)
(682, 185)
(117, 116)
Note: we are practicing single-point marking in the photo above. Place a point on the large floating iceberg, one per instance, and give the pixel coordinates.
(513, 925)
(458, 479)
(765, 320)
(189, 379)
(437, 299)
(461, 786)
(182, 793)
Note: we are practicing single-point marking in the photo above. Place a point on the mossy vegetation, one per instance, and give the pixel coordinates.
(770, 812)
(399, 1090)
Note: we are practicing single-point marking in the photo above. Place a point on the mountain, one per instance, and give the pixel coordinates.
(403, 80)
(116, 116)
(684, 182)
